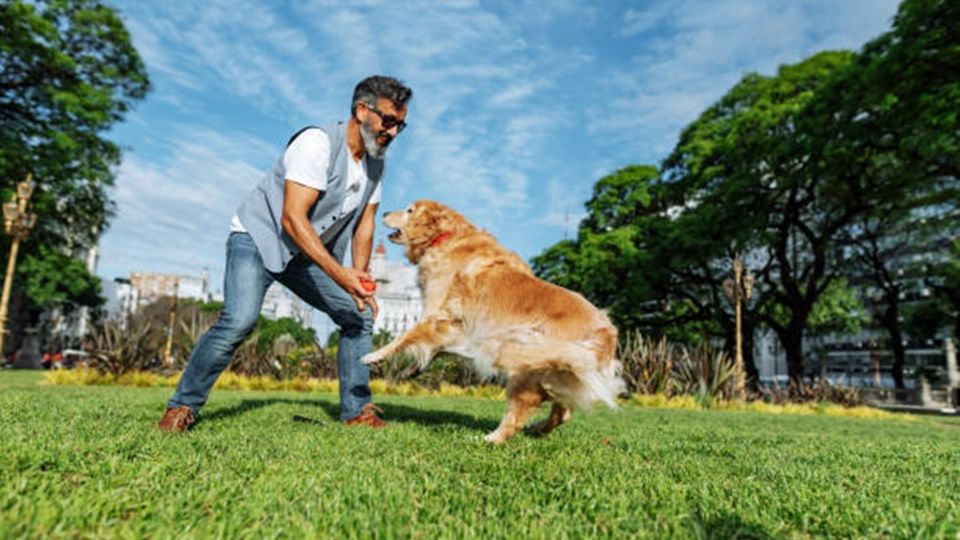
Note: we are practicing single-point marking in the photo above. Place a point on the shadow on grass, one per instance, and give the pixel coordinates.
(248, 405)
(391, 413)
(727, 526)
(401, 413)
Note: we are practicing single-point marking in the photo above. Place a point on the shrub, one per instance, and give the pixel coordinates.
(116, 350)
(647, 364)
(308, 361)
(448, 368)
(400, 367)
(822, 391)
(192, 326)
(705, 373)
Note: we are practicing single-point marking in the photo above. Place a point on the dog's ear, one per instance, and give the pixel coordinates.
(430, 218)
(421, 222)
(452, 221)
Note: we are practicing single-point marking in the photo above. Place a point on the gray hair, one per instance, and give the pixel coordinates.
(380, 86)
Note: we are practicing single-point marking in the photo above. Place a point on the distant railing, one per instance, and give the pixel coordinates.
(874, 368)
(929, 376)
(941, 397)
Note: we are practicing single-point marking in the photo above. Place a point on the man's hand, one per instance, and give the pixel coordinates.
(352, 281)
(368, 300)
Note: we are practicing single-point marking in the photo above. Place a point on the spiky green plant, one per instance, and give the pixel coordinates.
(647, 364)
(117, 350)
(705, 374)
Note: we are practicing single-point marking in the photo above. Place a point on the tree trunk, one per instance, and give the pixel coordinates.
(17, 320)
(956, 326)
(753, 374)
(792, 340)
(729, 343)
(899, 355)
(891, 322)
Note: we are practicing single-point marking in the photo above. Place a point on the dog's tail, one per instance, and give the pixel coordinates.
(591, 361)
(606, 382)
(602, 385)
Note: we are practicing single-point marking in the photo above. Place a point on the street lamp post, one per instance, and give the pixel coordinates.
(17, 222)
(737, 290)
(168, 348)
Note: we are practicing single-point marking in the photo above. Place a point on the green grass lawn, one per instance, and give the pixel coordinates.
(89, 462)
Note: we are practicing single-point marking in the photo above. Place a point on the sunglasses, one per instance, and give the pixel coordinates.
(388, 121)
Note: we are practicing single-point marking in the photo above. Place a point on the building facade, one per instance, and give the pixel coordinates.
(152, 286)
(398, 293)
(126, 295)
(279, 302)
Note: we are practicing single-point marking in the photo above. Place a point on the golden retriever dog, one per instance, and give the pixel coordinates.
(482, 301)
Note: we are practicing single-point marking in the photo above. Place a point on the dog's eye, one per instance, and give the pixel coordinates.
(409, 210)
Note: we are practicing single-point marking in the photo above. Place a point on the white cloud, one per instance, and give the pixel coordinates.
(173, 214)
(157, 56)
(697, 50)
(638, 21)
(517, 108)
(513, 94)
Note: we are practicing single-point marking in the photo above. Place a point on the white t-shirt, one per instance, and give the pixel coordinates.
(305, 162)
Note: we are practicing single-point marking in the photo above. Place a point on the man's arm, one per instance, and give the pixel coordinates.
(363, 238)
(362, 246)
(297, 201)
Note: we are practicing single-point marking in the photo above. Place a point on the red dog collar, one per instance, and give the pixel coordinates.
(437, 240)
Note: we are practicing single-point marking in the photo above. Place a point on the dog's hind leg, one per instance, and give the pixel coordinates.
(558, 415)
(524, 397)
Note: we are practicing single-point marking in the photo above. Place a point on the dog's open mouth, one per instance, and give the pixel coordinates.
(396, 236)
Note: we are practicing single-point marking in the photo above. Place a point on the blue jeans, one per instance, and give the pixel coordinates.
(244, 286)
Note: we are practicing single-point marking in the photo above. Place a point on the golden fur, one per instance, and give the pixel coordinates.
(483, 301)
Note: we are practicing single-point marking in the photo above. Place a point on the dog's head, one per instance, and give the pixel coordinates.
(422, 225)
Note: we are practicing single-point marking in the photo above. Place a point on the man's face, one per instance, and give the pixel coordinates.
(380, 125)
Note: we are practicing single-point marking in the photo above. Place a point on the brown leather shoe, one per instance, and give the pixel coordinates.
(177, 419)
(368, 417)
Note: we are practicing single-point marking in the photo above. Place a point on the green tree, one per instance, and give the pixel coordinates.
(881, 248)
(656, 267)
(927, 319)
(610, 261)
(268, 330)
(747, 184)
(69, 72)
(943, 276)
(817, 176)
(54, 280)
(333, 341)
(889, 125)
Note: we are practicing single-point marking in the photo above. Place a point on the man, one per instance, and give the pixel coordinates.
(294, 228)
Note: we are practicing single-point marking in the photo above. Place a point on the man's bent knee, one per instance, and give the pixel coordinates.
(234, 329)
(354, 322)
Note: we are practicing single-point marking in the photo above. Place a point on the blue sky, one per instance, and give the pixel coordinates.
(518, 107)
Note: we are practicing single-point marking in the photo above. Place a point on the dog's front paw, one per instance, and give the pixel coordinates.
(371, 358)
(494, 437)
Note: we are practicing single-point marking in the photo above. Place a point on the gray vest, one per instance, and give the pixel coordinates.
(260, 213)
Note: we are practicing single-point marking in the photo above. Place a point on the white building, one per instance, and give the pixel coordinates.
(280, 302)
(70, 328)
(125, 296)
(152, 286)
(121, 297)
(398, 293)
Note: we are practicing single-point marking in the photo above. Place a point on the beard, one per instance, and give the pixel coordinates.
(371, 143)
